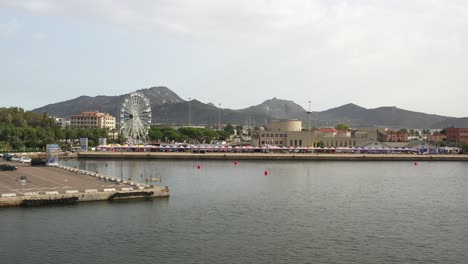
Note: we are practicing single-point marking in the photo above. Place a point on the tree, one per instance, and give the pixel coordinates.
(229, 128)
(155, 134)
(239, 129)
(320, 144)
(16, 143)
(191, 133)
(223, 135)
(342, 126)
(4, 146)
(464, 146)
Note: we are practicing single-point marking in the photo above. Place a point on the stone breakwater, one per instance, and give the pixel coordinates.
(270, 156)
(35, 186)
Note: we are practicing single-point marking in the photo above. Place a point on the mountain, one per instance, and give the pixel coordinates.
(110, 104)
(383, 116)
(279, 109)
(169, 108)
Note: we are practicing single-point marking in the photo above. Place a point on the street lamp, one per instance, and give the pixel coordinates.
(189, 111)
(219, 116)
(308, 114)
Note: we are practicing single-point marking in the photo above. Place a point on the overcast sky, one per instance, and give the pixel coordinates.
(411, 54)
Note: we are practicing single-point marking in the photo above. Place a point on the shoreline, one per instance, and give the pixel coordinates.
(271, 156)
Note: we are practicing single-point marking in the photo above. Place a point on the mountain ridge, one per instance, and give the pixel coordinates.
(170, 108)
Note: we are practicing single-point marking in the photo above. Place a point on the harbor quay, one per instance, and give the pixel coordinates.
(43, 185)
(271, 156)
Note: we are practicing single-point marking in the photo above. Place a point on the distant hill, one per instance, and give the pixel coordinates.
(382, 116)
(169, 108)
(110, 104)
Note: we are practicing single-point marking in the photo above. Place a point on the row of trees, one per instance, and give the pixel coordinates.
(36, 138)
(16, 116)
(26, 130)
(187, 134)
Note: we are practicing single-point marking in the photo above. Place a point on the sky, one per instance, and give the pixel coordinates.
(411, 54)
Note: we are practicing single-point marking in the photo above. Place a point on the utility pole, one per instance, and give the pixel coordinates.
(219, 116)
(189, 111)
(308, 114)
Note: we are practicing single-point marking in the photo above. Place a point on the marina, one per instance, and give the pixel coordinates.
(41, 185)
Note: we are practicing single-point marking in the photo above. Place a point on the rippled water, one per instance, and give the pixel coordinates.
(302, 212)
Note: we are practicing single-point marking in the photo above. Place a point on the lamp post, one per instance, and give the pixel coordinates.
(308, 114)
(189, 111)
(219, 116)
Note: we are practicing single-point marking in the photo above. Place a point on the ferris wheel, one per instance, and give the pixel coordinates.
(135, 118)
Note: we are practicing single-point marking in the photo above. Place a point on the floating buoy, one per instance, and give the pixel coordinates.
(199, 166)
(235, 162)
(266, 173)
(415, 164)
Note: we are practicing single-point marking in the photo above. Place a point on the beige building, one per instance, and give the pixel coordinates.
(288, 133)
(285, 125)
(93, 120)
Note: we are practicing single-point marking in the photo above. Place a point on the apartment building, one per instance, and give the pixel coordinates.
(457, 134)
(93, 119)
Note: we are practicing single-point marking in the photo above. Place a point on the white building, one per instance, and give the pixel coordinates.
(62, 122)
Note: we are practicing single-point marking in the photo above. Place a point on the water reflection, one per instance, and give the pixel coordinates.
(302, 212)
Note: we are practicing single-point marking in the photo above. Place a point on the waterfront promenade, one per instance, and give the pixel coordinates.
(270, 156)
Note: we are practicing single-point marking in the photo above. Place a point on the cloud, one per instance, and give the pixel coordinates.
(340, 46)
(358, 32)
(9, 28)
(343, 22)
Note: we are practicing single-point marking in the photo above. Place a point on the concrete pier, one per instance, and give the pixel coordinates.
(32, 186)
(271, 156)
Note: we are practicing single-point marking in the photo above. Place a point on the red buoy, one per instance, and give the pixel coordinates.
(415, 164)
(266, 173)
(235, 162)
(199, 166)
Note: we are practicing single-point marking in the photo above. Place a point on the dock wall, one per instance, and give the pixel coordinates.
(10, 200)
(270, 156)
(121, 190)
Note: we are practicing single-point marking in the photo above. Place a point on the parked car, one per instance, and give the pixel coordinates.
(25, 160)
(38, 162)
(7, 167)
(15, 158)
(7, 156)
